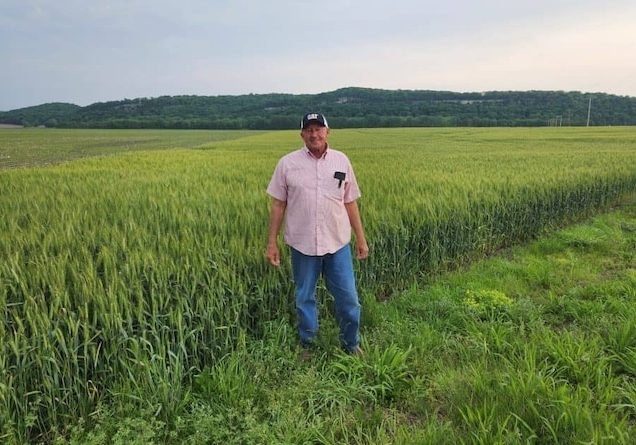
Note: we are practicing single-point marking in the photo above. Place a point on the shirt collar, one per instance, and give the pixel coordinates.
(324, 155)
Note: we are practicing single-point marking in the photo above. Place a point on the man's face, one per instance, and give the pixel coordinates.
(315, 136)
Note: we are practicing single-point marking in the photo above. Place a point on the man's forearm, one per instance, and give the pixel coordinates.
(362, 248)
(276, 215)
(355, 220)
(275, 220)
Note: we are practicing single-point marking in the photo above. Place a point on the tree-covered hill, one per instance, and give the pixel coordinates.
(49, 115)
(346, 107)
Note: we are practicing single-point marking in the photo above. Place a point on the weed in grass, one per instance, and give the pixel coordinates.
(487, 302)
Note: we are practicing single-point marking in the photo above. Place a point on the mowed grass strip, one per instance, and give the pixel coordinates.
(126, 276)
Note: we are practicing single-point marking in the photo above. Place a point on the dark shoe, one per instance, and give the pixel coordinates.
(357, 351)
(306, 355)
(307, 352)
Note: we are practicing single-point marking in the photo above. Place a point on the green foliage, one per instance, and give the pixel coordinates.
(228, 382)
(487, 301)
(380, 373)
(346, 108)
(40, 115)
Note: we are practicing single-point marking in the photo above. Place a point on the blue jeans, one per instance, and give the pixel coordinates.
(337, 269)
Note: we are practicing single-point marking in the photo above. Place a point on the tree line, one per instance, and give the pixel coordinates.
(345, 108)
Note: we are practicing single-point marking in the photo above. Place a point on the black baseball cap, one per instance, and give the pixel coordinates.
(315, 118)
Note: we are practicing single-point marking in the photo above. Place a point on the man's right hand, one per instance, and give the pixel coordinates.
(273, 255)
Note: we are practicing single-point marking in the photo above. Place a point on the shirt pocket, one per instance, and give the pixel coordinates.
(334, 188)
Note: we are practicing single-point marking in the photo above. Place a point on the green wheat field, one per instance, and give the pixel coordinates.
(498, 299)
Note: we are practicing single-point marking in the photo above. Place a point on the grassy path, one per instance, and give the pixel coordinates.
(534, 345)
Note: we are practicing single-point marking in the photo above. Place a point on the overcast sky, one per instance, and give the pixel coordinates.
(83, 51)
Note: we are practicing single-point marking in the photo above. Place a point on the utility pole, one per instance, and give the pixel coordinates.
(589, 109)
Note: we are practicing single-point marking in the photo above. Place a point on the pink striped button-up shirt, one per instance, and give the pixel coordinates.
(316, 220)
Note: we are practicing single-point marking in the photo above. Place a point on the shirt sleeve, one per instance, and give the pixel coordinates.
(277, 187)
(352, 192)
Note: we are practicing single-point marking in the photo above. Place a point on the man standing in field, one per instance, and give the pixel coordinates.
(315, 189)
